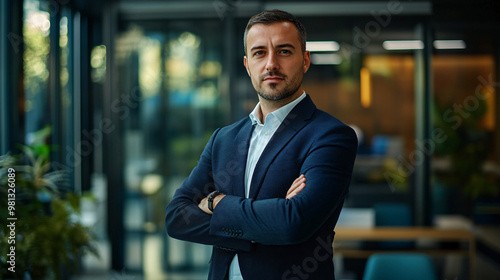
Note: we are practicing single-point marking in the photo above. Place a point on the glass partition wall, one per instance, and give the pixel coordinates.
(372, 88)
(171, 78)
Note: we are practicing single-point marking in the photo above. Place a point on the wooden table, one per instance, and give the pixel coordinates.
(406, 234)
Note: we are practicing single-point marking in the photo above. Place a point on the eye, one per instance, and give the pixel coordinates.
(258, 53)
(285, 52)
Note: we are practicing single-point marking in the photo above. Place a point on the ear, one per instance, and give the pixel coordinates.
(307, 60)
(245, 62)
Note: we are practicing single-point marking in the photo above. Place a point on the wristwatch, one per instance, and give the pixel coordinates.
(210, 199)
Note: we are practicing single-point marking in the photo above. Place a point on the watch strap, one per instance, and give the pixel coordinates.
(210, 200)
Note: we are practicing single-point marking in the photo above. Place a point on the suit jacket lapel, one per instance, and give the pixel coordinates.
(242, 142)
(293, 123)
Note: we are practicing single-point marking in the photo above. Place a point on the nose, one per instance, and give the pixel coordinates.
(272, 63)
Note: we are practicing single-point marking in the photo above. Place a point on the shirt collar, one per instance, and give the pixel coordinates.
(280, 114)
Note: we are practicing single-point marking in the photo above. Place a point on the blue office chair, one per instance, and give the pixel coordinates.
(393, 215)
(399, 266)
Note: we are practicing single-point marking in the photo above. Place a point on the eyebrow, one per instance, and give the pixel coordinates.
(286, 45)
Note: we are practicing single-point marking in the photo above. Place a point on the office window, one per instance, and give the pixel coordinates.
(66, 85)
(36, 31)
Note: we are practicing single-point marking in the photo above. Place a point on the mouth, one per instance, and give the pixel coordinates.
(273, 79)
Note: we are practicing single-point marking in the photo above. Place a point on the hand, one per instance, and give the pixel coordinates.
(298, 185)
(203, 205)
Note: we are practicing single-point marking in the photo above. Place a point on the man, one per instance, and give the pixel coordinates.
(248, 195)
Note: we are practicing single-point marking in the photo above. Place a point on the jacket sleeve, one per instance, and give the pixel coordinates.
(185, 221)
(279, 221)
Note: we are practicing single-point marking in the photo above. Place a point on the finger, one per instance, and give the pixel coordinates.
(296, 191)
(296, 183)
(202, 202)
(298, 179)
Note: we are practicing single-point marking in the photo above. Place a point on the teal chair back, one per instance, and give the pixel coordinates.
(393, 215)
(399, 266)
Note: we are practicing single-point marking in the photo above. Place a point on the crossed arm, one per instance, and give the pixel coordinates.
(191, 222)
(297, 185)
(272, 221)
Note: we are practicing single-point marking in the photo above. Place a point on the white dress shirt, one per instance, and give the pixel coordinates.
(261, 135)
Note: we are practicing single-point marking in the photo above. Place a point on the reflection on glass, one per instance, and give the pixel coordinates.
(98, 64)
(150, 67)
(64, 71)
(36, 29)
(170, 105)
(181, 65)
(464, 110)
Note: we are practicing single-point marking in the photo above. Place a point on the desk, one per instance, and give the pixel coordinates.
(405, 234)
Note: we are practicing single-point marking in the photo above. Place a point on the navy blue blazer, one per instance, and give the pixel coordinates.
(275, 238)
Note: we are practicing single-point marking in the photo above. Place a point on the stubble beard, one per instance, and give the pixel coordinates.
(291, 87)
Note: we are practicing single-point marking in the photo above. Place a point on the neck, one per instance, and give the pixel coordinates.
(269, 106)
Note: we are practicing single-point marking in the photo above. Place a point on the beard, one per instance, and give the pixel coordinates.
(273, 94)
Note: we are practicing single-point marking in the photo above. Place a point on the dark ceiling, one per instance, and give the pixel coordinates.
(475, 21)
(443, 10)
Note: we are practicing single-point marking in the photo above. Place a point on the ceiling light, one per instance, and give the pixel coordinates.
(326, 59)
(449, 44)
(403, 45)
(322, 46)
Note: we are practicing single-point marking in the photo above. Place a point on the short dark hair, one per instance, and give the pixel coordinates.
(275, 16)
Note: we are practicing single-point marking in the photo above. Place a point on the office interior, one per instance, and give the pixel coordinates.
(132, 90)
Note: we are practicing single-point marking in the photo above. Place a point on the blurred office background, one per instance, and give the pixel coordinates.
(133, 90)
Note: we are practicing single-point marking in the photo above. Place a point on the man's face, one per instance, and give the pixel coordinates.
(275, 61)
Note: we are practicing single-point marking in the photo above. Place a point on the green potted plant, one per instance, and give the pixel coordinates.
(465, 151)
(46, 236)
